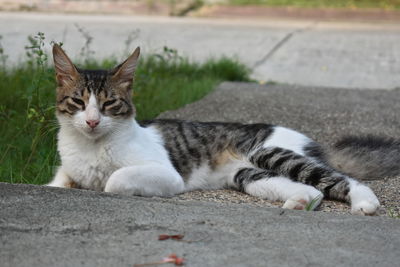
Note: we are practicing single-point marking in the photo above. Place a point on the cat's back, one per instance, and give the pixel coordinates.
(191, 144)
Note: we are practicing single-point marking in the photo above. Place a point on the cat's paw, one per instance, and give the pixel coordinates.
(297, 203)
(363, 200)
(365, 208)
(304, 201)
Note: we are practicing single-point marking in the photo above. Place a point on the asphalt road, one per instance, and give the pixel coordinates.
(306, 52)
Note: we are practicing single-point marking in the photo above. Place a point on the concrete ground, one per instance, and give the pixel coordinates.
(307, 52)
(42, 226)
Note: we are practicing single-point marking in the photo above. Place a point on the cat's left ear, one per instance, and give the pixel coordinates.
(123, 73)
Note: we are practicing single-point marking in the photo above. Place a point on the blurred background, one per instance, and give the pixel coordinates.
(187, 7)
(302, 40)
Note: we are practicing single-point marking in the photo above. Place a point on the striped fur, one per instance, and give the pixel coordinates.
(102, 147)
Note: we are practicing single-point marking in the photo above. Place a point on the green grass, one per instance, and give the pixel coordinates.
(393, 213)
(28, 127)
(381, 4)
(313, 203)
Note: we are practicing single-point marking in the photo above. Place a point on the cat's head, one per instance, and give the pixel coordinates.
(94, 102)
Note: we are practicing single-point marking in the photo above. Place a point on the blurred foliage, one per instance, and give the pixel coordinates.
(383, 4)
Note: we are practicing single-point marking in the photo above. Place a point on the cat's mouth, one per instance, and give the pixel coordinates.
(92, 133)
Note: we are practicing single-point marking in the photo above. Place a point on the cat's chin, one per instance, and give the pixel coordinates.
(92, 134)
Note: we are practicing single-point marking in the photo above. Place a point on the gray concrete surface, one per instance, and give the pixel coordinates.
(42, 226)
(307, 52)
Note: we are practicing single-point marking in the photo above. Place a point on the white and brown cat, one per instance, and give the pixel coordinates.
(103, 148)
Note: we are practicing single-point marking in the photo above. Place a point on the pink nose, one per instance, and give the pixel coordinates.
(92, 123)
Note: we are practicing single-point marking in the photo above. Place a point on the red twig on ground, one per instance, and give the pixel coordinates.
(165, 237)
(170, 259)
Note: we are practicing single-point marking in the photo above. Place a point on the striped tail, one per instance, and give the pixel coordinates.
(366, 158)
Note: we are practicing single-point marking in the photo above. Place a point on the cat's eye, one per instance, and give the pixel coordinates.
(78, 101)
(109, 103)
(117, 107)
(72, 107)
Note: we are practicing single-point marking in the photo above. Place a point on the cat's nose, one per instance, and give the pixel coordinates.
(92, 123)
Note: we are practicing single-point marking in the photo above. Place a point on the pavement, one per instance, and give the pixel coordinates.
(42, 226)
(57, 227)
(309, 52)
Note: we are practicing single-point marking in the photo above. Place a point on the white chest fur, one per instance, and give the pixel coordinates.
(90, 163)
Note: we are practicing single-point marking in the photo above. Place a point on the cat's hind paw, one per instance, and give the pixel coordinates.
(365, 208)
(363, 200)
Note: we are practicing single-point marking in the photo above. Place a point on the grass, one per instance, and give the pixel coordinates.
(381, 4)
(28, 127)
(391, 211)
(312, 205)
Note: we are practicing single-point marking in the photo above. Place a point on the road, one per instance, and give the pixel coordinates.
(310, 53)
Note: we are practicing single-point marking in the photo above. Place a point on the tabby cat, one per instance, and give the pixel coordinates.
(103, 148)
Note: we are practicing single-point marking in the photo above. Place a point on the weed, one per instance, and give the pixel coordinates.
(313, 203)
(132, 36)
(3, 56)
(86, 52)
(34, 50)
(392, 213)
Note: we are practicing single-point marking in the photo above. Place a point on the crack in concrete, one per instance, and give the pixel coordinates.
(282, 42)
(20, 228)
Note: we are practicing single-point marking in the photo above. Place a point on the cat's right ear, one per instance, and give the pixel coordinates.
(66, 72)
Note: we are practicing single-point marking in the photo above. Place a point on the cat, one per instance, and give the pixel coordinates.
(103, 148)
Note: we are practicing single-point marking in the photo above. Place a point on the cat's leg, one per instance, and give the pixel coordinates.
(269, 185)
(61, 179)
(145, 180)
(309, 171)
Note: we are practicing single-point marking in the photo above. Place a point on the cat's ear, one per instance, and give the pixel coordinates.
(123, 73)
(66, 72)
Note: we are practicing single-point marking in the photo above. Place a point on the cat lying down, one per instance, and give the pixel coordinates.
(103, 148)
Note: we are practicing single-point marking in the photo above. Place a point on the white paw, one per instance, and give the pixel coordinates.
(145, 180)
(365, 207)
(304, 201)
(295, 203)
(363, 200)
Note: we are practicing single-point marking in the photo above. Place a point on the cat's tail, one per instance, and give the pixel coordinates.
(367, 157)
